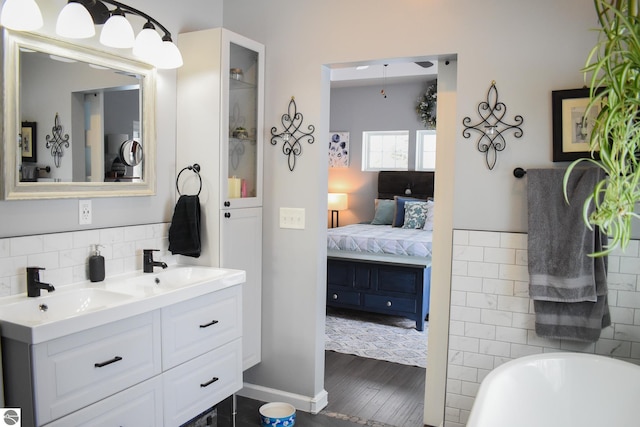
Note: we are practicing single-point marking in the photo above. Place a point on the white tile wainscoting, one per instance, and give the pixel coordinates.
(65, 256)
(492, 317)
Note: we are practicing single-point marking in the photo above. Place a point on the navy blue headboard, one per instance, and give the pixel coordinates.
(395, 183)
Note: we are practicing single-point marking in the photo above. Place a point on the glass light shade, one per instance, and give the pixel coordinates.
(75, 22)
(117, 32)
(21, 15)
(148, 45)
(337, 201)
(170, 56)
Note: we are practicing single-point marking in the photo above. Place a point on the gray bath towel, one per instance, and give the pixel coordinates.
(568, 287)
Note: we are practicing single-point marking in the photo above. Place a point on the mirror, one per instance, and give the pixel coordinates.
(79, 122)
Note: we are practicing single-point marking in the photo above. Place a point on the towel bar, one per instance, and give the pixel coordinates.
(196, 169)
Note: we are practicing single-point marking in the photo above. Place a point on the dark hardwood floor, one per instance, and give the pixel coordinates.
(361, 392)
(374, 390)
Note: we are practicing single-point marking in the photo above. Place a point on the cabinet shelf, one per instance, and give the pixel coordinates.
(240, 84)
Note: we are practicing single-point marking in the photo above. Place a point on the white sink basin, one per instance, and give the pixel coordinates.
(58, 306)
(84, 305)
(171, 279)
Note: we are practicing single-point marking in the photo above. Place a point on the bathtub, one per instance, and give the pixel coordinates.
(559, 390)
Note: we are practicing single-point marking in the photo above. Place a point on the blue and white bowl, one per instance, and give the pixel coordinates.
(277, 414)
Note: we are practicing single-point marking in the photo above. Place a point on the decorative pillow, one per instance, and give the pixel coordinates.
(415, 214)
(398, 216)
(384, 212)
(428, 223)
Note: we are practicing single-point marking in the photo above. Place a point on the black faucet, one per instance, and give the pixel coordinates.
(34, 285)
(148, 263)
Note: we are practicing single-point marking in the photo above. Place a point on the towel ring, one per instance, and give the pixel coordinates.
(196, 169)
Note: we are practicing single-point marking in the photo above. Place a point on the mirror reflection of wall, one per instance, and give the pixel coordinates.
(91, 101)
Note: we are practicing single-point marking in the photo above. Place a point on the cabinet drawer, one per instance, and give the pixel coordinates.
(198, 384)
(76, 370)
(391, 304)
(196, 326)
(342, 297)
(140, 406)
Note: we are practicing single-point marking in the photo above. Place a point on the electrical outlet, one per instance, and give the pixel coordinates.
(84, 212)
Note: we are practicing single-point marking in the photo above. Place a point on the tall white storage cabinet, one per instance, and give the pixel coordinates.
(220, 127)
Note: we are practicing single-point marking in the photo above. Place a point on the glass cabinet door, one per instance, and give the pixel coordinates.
(244, 130)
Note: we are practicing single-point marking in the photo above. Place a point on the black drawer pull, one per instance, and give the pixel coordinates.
(213, 322)
(108, 362)
(208, 383)
(227, 215)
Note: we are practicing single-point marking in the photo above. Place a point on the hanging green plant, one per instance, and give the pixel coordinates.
(614, 69)
(427, 103)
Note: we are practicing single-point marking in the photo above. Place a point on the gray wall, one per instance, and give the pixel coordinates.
(362, 108)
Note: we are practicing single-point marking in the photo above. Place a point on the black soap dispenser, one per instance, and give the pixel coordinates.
(96, 266)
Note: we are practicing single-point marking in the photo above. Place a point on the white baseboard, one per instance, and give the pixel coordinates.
(303, 403)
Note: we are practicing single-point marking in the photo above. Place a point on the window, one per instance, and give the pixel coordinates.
(388, 150)
(426, 150)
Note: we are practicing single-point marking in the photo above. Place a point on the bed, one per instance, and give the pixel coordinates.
(381, 266)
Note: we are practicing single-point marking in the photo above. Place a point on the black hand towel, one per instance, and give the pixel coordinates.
(184, 232)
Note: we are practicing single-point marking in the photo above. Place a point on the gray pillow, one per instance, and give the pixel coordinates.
(384, 212)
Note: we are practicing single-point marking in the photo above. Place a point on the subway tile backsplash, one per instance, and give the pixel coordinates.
(492, 317)
(65, 256)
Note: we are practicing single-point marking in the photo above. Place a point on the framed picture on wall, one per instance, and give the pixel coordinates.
(338, 149)
(28, 141)
(572, 125)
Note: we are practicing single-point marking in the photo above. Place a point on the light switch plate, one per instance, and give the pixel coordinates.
(292, 218)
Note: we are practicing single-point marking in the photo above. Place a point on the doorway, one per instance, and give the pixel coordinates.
(441, 267)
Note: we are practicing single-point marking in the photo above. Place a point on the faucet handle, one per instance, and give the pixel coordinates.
(34, 270)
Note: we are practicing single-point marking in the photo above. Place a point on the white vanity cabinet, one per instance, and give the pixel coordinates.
(220, 126)
(161, 367)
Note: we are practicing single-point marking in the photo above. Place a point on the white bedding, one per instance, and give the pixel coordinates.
(380, 239)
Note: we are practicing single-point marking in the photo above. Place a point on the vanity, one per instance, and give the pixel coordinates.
(139, 349)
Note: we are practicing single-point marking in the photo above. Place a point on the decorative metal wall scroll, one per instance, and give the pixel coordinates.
(57, 141)
(292, 122)
(492, 127)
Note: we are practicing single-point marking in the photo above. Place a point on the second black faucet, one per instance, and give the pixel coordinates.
(147, 261)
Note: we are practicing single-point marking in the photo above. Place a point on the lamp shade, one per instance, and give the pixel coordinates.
(75, 22)
(337, 201)
(21, 15)
(148, 44)
(117, 32)
(170, 56)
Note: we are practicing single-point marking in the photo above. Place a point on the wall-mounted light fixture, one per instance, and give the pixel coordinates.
(491, 127)
(77, 20)
(336, 202)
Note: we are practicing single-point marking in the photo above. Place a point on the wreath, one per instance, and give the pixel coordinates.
(426, 108)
